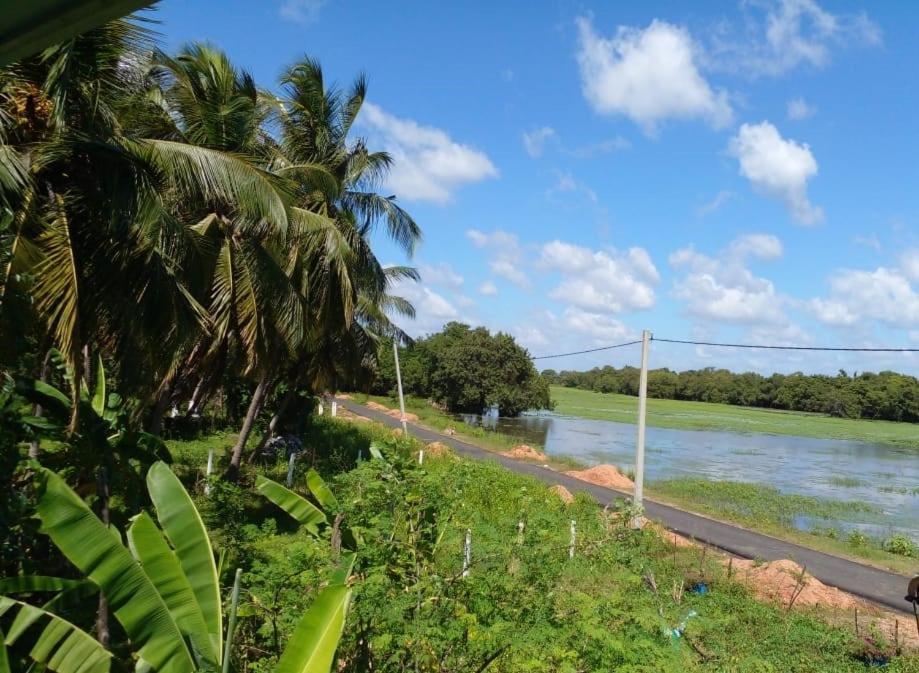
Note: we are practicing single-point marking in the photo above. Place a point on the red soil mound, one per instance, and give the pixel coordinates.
(563, 493)
(524, 452)
(603, 475)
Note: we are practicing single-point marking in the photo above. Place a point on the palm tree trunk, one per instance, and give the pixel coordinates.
(275, 420)
(103, 491)
(255, 406)
(38, 411)
(155, 426)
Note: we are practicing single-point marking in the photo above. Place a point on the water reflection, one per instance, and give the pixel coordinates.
(882, 475)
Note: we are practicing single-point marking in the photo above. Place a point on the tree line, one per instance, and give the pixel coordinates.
(885, 395)
(468, 370)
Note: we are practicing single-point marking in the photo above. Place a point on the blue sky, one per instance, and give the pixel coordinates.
(718, 171)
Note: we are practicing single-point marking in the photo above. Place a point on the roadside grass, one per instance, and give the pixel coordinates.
(612, 607)
(683, 415)
(766, 509)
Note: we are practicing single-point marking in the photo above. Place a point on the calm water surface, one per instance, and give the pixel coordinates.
(802, 465)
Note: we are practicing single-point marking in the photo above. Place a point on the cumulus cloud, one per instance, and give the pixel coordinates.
(856, 296)
(599, 280)
(648, 75)
(599, 327)
(534, 142)
(777, 168)
(781, 35)
(488, 288)
(432, 309)
(722, 288)
(303, 12)
(441, 274)
(428, 165)
(798, 109)
(506, 254)
(720, 199)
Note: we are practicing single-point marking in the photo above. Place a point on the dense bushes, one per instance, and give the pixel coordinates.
(467, 370)
(887, 395)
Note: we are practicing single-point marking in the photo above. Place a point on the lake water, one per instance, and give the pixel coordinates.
(801, 465)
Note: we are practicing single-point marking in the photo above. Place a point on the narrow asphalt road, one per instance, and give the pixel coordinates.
(879, 586)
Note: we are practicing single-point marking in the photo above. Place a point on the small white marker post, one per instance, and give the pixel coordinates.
(467, 553)
(574, 538)
(334, 408)
(640, 439)
(520, 528)
(290, 469)
(319, 409)
(208, 472)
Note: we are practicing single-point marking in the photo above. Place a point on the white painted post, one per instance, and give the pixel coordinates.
(290, 469)
(319, 409)
(395, 352)
(640, 440)
(334, 408)
(209, 472)
(467, 553)
(574, 537)
(520, 528)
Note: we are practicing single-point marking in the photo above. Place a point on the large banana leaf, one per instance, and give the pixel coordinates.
(183, 526)
(91, 547)
(294, 504)
(27, 584)
(60, 646)
(322, 492)
(311, 648)
(160, 563)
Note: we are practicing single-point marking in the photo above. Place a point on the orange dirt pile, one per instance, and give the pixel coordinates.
(779, 580)
(437, 450)
(344, 396)
(348, 416)
(410, 417)
(377, 406)
(563, 493)
(675, 539)
(524, 452)
(603, 475)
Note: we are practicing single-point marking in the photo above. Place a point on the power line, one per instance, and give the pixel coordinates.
(789, 348)
(733, 345)
(589, 350)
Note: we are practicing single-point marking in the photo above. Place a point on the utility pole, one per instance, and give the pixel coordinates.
(640, 440)
(395, 352)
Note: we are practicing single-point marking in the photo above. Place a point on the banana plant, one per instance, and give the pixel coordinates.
(162, 586)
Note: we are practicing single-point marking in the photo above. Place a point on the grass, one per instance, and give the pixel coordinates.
(611, 607)
(683, 415)
(768, 510)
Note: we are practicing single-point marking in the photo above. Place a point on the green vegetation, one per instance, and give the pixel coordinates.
(466, 370)
(768, 510)
(887, 395)
(683, 415)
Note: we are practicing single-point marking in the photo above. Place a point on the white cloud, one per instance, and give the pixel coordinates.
(602, 329)
(601, 281)
(871, 241)
(648, 75)
(777, 167)
(488, 289)
(507, 255)
(432, 309)
(566, 183)
(791, 33)
(534, 142)
(723, 289)
(856, 296)
(909, 262)
(798, 109)
(301, 11)
(428, 165)
(614, 144)
(441, 274)
(720, 199)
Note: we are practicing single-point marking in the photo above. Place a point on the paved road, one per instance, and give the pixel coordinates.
(879, 586)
